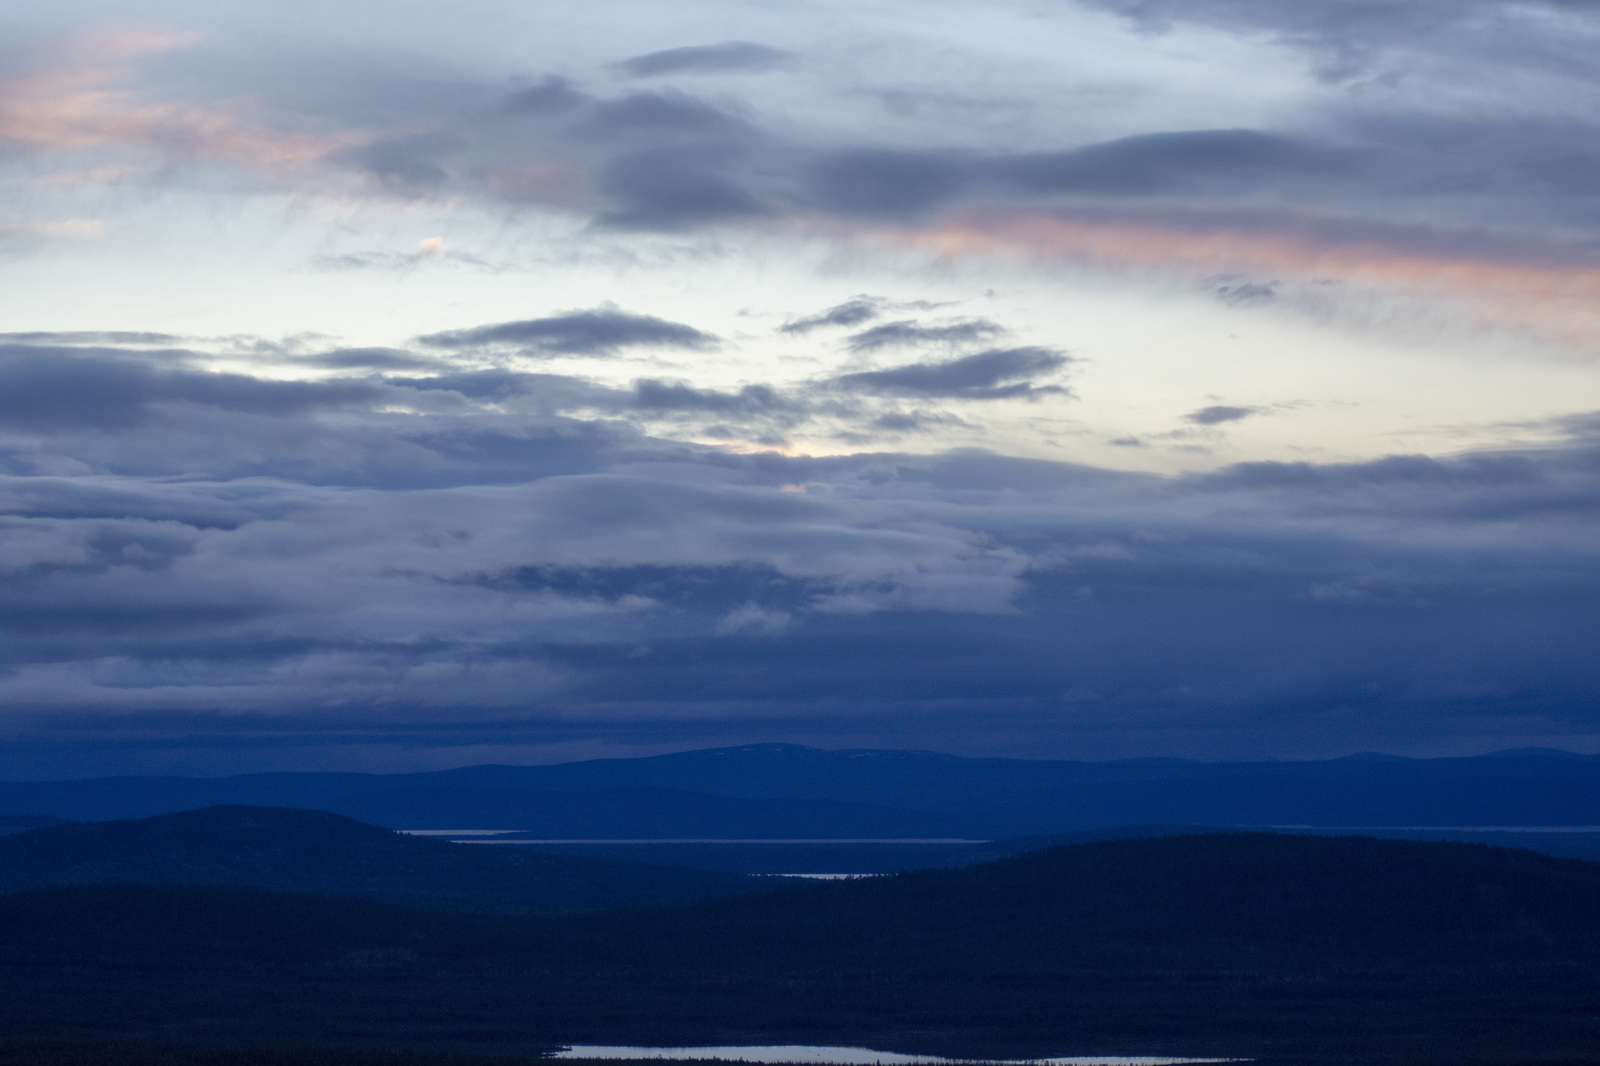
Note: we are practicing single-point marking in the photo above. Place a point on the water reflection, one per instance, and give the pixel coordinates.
(849, 1056)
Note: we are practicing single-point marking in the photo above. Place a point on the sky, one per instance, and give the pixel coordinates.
(400, 386)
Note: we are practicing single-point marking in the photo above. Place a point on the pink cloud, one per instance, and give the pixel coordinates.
(81, 100)
(1526, 284)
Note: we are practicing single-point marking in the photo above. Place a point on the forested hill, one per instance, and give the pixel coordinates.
(1246, 901)
(1237, 944)
(317, 852)
(1257, 901)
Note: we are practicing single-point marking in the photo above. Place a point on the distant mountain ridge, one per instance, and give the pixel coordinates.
(328, 854)
(790, 790)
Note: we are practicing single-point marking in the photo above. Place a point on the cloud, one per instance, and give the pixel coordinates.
(552, 96)
(667, 112)
(673, 189)
(1218, 414)
(429, 249)
(727, 57)
(670, 161)
(1237, 293)
(973, 377)
(1387, 190)
(58, 229)
(1163, 162)
(751, 619)
(428, 549)
(885, 183)
(600, 332)
(49, 389)
(409, 166)
(913, 422)
(75, 100)
(1542, 287)
(850, 313)
(909, 333)
(653, 395)
(1346, 41)
(369, 358)
(404, 560)
(91, 338)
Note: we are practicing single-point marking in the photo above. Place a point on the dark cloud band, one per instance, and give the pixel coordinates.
(992, 375)
(599, 332)
(914, 334)
(729, 56)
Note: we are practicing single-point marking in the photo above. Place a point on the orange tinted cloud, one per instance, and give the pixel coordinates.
(79, 102)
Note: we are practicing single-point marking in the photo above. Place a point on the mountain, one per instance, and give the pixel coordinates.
(318, 852)
(1273, 947)
(776, 790)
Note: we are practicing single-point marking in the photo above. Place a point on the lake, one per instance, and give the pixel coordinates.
(850, 1056)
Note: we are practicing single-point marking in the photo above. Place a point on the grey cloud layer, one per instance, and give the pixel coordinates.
(669, 159)
(45, 389)
(471, 375)
(1395, 151)
(438, 547)
(194, 558)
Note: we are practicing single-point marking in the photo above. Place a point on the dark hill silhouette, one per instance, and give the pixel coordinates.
(318, 852)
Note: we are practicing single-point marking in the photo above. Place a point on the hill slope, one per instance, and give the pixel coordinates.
(318, 852)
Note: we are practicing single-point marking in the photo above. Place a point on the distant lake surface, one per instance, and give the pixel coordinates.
(847, 1056)
(512, 836)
